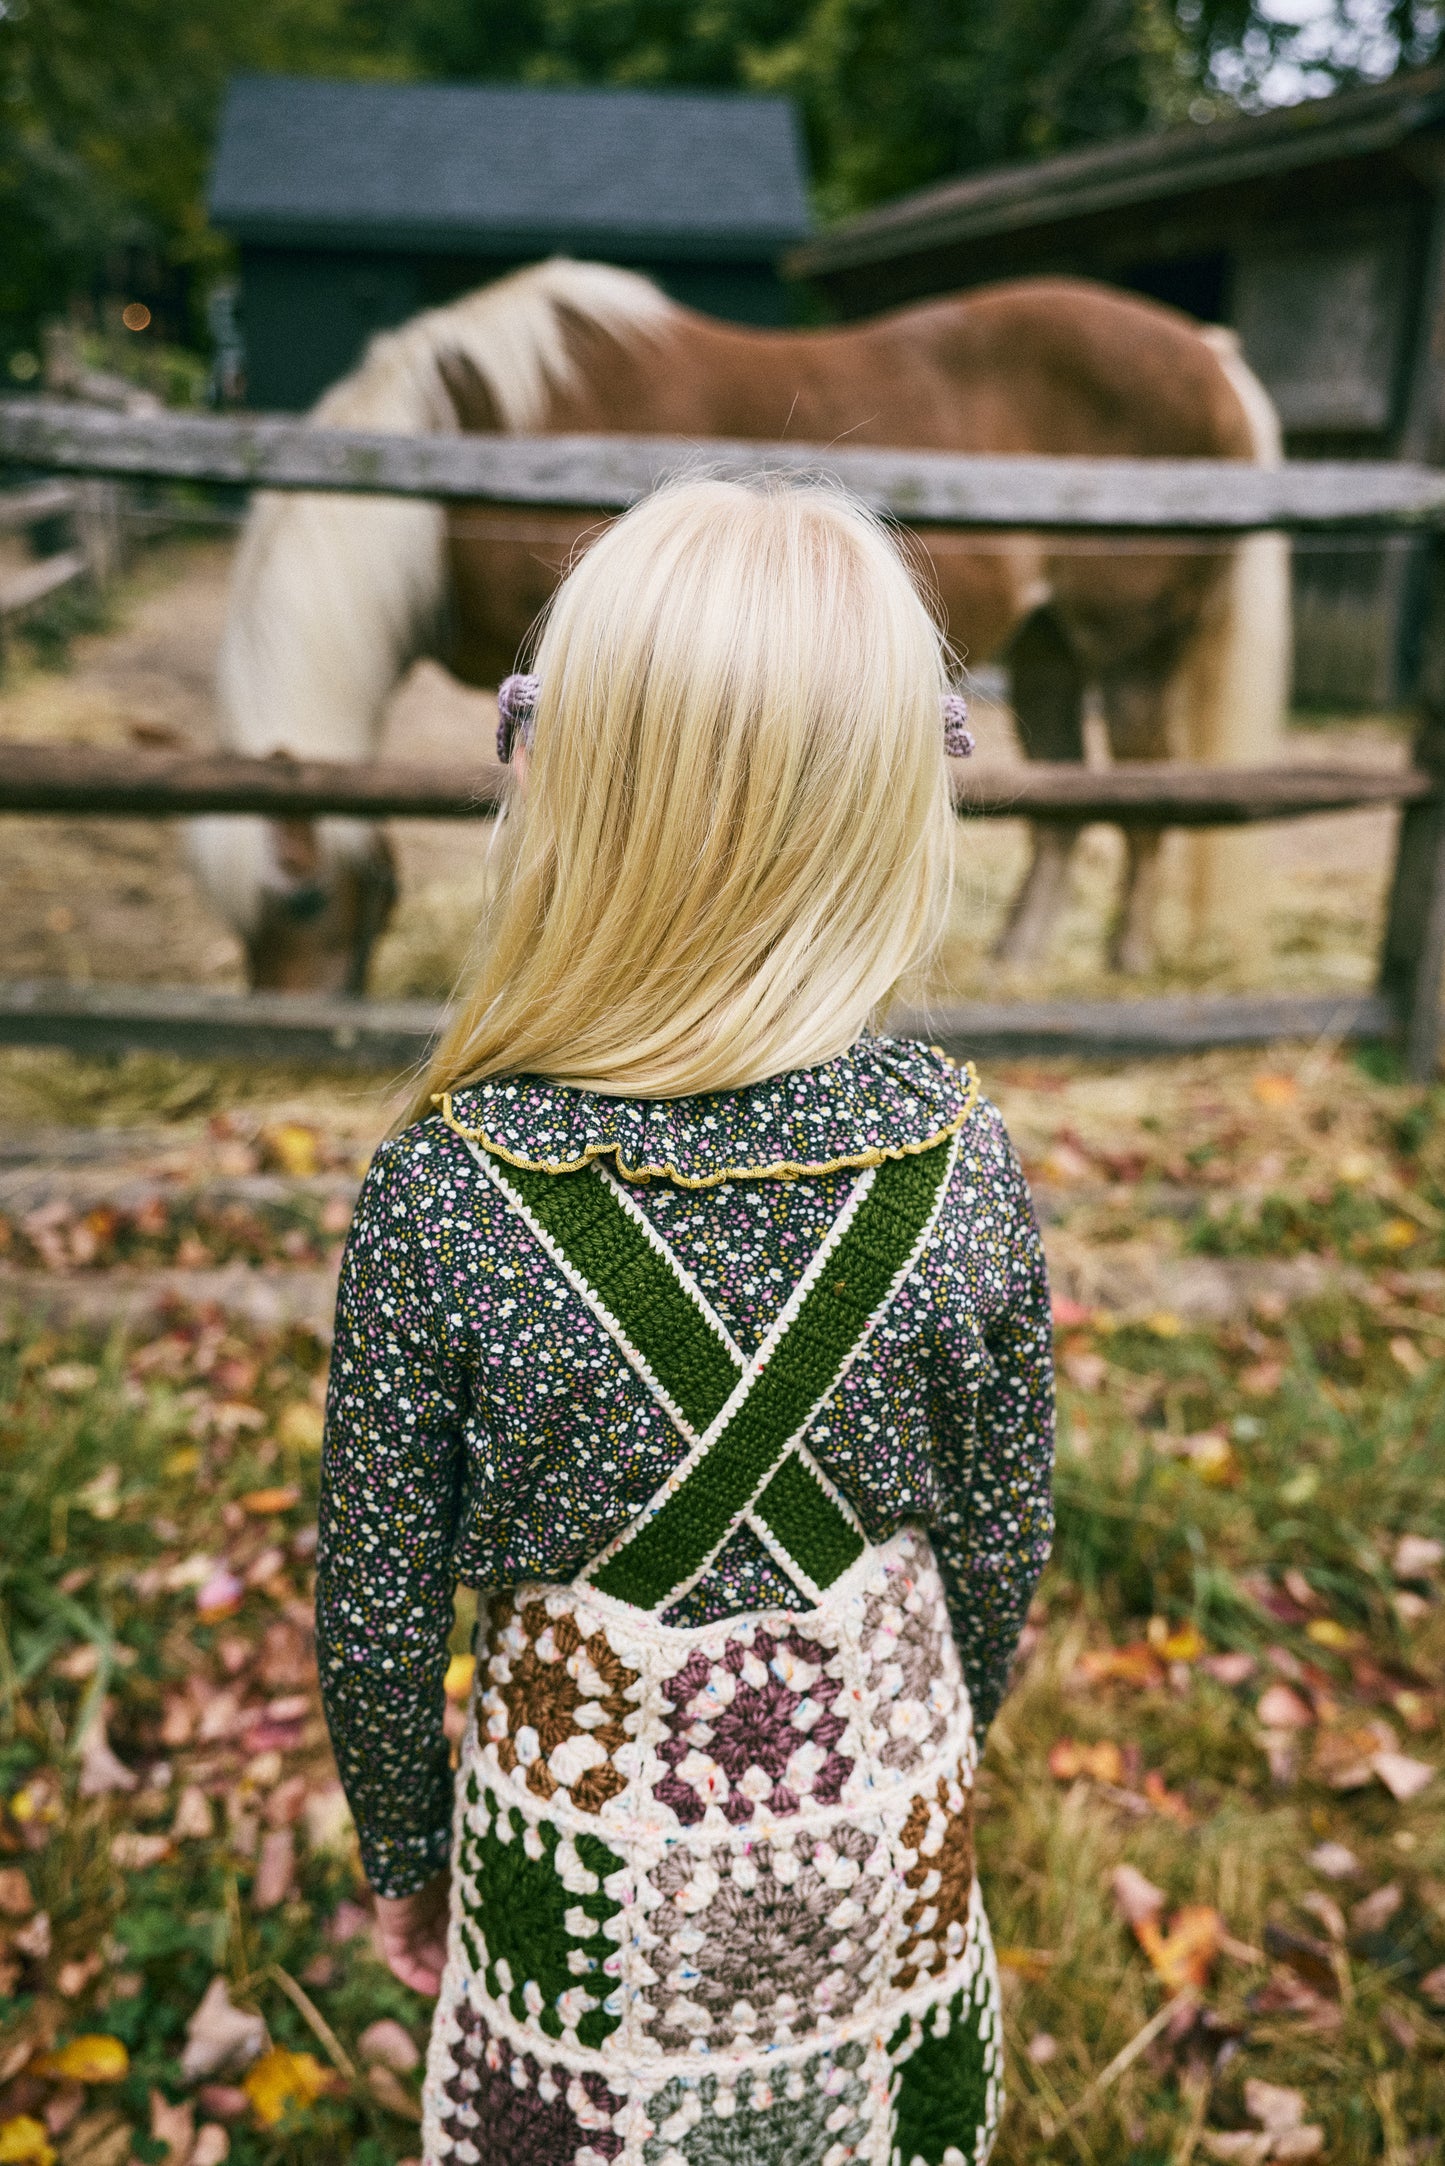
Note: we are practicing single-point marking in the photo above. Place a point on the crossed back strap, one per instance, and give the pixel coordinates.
(744, 1420)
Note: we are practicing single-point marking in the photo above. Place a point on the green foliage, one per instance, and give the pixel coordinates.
(108, 107)
(107, 116)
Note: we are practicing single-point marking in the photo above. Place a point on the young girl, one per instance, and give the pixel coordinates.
(706, 1335)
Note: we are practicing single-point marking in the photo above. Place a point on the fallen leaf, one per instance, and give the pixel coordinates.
(1403, 1777)
(460, 1672)
(1168, 1802)
(1327, 1910)
(1374, 1911)
(282, 2081)
(1334, 1861)
(1103, 1762)
(1417, 1557)
(264, 1503)
(389, 2043)
(34, 1939)
(227, 2101)
(1294, 2143)
(1281, 1708)
(194, 1820)
(175, 2127)
(1069, 1315)
(388, 2090)
(1408, 1355)
(220, 1596)
(1311, 1960)
(1084, 1368)
(1230, 1669)
(1186, 1643)
(100, 1771)
(1285, 1994)
(1184, 1954)
(328, 1828)
(1030, 1964)
(292, 1149)
(1138, 1899)
(24, 2142)
(1273, 2105)
(136, 1853)
(93, 2058)
(274, 1870)
(16, 1900)
(220, 2036)
(1136, 1664)
(300, 1426)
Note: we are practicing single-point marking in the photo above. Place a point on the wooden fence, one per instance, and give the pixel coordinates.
(1100, 496)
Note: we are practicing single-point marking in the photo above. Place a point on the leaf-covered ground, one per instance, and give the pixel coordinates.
(1213, 1840)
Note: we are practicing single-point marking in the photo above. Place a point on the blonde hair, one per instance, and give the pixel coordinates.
(735, 834)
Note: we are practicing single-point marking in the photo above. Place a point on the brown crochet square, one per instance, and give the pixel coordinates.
(939, 1830)
(555, 1704)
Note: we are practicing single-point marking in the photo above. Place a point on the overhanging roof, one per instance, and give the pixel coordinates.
(497, 170)
(1144, 170)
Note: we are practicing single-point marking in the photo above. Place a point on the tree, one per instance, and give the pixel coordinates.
(107, 118)
(107, 107)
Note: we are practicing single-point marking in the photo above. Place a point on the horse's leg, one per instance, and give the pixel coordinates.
(1136, 712)
(1048, 700)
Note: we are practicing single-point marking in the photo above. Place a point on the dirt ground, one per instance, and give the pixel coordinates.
(114, 900)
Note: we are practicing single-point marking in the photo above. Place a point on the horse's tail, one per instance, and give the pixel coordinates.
(333, 596)
(1231, 694)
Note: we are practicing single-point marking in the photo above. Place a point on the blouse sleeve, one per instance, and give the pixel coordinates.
(997, 1453)
(385, 1584)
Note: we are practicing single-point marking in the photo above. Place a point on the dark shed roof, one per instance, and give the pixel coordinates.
(986, 210)
(707, 176)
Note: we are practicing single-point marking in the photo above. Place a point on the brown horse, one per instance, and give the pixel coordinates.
(334, 596)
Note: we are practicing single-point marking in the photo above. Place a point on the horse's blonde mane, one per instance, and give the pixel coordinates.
(333, 596)
(511, 332)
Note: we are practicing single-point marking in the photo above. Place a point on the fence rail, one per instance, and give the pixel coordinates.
(144, 784)
(608, 473)
(331, 1031)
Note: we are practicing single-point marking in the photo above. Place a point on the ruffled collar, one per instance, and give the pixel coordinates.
(883, 1098)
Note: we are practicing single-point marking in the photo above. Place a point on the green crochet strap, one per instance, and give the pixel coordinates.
(634, 1282)
(719, 1484)
(744, 1466)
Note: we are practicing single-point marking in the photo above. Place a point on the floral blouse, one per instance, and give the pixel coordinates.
(483, 1429)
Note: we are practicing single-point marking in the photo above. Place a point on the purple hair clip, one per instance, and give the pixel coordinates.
(516, 707)
(957, 736)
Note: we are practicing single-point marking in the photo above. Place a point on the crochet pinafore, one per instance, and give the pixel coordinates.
(713, 1893)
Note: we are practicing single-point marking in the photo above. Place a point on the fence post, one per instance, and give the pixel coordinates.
(1413, 952)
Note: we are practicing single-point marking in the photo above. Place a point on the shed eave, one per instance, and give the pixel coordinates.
(638, 243)
(1146, 170)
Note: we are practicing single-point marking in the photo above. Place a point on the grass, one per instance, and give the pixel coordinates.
(1231, 1489)
(1311, 1487)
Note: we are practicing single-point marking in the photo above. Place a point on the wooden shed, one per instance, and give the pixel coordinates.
(356, 204)
(1317, 231)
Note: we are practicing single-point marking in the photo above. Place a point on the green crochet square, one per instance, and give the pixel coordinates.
(950, 2088)
(516, 1900)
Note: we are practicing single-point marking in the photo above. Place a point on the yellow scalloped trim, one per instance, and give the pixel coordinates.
(778, 1170)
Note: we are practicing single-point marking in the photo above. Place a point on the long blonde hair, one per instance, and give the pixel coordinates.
(735, 833)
